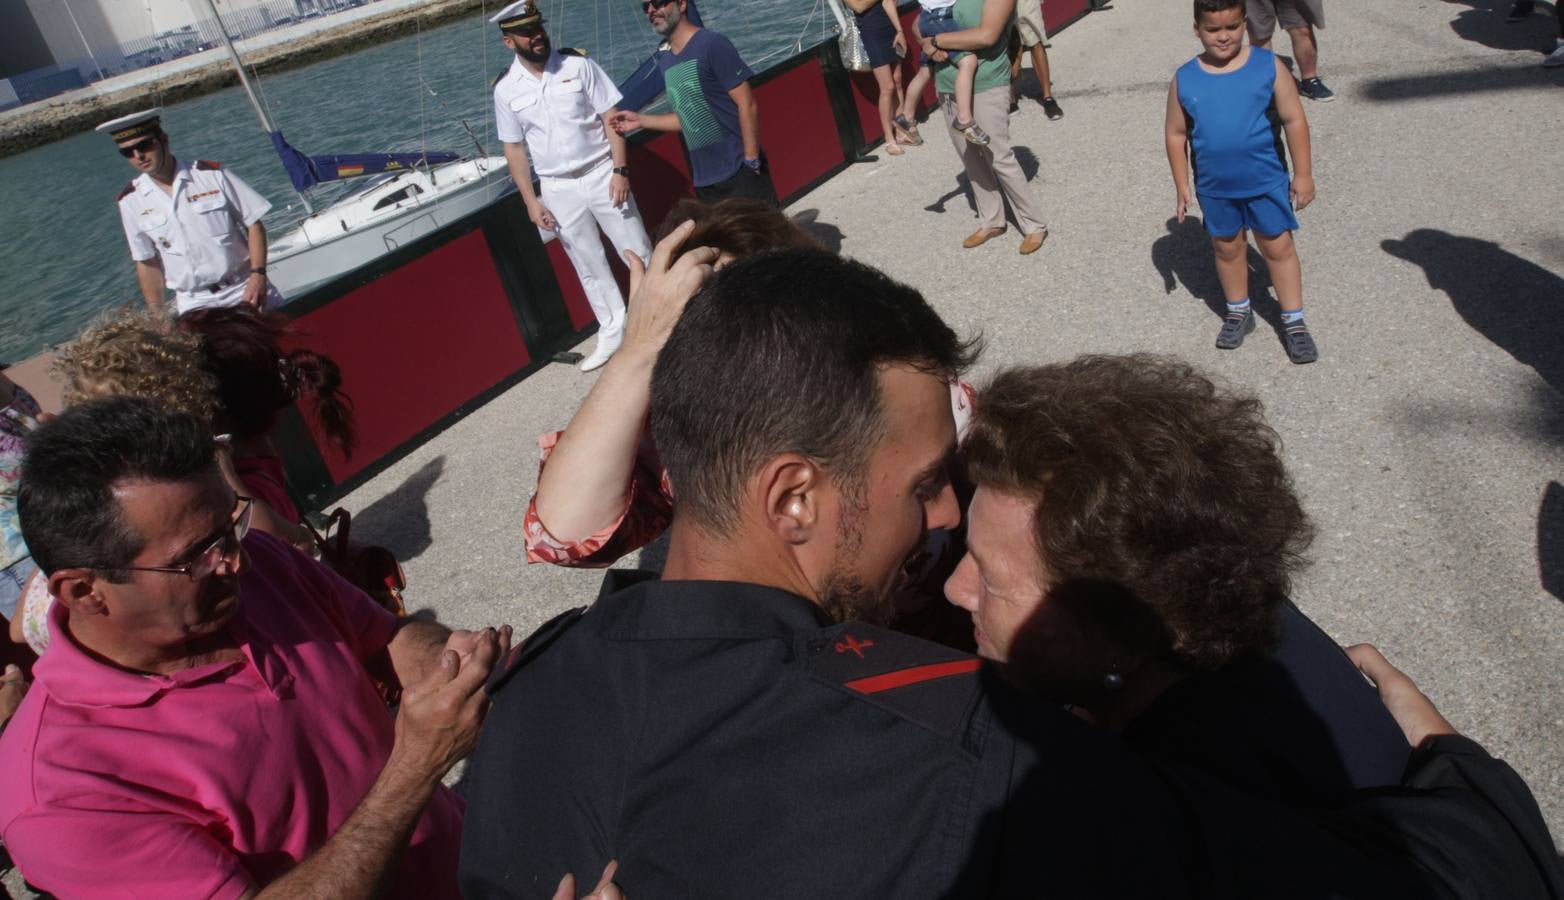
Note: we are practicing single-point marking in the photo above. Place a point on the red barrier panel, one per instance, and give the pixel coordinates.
(1058, 12)
(797, 129)
(416, 344)
(659, 177)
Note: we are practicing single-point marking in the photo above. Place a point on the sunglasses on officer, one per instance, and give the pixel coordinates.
(649, 5)
(145, 145)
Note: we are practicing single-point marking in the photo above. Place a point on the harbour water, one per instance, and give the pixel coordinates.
(63, 256)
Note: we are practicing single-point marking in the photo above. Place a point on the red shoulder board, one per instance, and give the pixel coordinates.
(207, 164)
(130, 188)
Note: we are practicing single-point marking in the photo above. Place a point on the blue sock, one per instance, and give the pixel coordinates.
(1238, 308)
(1292, 316)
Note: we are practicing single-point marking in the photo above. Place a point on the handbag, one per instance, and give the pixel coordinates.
(849, 43)
(369, 567)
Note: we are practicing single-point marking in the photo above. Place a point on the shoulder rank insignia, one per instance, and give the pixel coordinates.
(571, 51)
(921, 681)
(207, 164)
(127, 190)
(496, 82)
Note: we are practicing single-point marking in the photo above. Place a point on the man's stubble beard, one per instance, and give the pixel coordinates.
(844, 595)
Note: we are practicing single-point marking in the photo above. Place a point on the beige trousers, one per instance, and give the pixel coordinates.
(994, 171)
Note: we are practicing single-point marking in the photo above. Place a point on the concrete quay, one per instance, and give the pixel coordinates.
(1428, 441)
(202, 73)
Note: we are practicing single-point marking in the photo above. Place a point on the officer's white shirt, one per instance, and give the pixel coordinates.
(558, 116)
(200, 231)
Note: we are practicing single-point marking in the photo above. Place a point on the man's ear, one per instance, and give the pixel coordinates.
(791, 488)
(78, 590)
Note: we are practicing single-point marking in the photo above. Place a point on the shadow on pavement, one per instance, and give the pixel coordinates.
(1184, 256)
(1550, 540)
(1030, 166)
(1443, 84)
(824, 232)
(1511, 301)
(1484, 24)
(399, 521)
(1519, 306)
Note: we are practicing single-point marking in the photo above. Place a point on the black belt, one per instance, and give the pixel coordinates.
(214, 288)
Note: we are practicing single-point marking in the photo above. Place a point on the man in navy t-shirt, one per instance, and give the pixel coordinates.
(713, 107)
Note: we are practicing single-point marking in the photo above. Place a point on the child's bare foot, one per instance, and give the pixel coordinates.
(894, 149)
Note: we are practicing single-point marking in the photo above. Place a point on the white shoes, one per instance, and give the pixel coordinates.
(600, 355)
(1556, 58)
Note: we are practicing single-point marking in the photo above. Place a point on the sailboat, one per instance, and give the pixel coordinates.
(407, 196)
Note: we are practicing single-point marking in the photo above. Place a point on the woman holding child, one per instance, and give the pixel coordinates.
(983, 30)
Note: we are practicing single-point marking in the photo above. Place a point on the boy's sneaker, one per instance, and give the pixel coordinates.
(1556, 58)
(1235, 327)
(1315, 89)
(1520, 10)
(1051, 108)
(1300, 344)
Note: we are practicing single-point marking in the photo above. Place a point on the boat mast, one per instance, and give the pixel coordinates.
(249, 89)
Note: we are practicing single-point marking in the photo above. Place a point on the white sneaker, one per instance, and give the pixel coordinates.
(1556, 58)
(599, 356)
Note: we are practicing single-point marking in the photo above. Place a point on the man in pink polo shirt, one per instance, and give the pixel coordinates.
(204, 724)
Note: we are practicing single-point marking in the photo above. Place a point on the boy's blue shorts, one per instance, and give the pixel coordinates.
(1269, 214)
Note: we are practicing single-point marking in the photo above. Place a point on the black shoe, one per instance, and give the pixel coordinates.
(1300, 344)
(1235, 327)
(1315, 89)
(1051, 108)
(1520, 10)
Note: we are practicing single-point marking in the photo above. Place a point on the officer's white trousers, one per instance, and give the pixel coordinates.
(581, 206)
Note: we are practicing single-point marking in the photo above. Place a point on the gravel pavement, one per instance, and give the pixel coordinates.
(1428, 441)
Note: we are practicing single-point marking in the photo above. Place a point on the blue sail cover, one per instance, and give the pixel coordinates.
(645, 84)
(307, 171)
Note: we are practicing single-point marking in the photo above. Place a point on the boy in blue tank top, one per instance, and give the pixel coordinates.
(1228, 109)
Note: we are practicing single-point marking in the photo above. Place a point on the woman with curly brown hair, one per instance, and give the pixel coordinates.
(141, 354)
(1131, 547)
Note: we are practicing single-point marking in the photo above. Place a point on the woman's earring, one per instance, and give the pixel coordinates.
(1112, 681)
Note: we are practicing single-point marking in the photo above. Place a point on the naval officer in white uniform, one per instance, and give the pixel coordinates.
(194, 229)
(551, 110)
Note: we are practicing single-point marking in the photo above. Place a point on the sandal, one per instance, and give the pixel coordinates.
(972, 133)
(909, 130)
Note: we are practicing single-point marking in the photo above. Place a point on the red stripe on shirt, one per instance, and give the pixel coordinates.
(915, 675)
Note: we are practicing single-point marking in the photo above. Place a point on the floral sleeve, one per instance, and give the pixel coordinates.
(648, 510)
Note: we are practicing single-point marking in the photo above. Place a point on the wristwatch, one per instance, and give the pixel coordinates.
(622, 170)
(257, 270)
(753, 164)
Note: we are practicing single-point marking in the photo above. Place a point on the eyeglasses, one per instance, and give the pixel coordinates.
(529, 32)
(649, 5)
(223, 550)
(145, 145)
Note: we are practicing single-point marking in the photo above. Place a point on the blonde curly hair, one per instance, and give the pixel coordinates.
(137, 354)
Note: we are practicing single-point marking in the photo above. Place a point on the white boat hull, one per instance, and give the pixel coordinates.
(387, 215)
